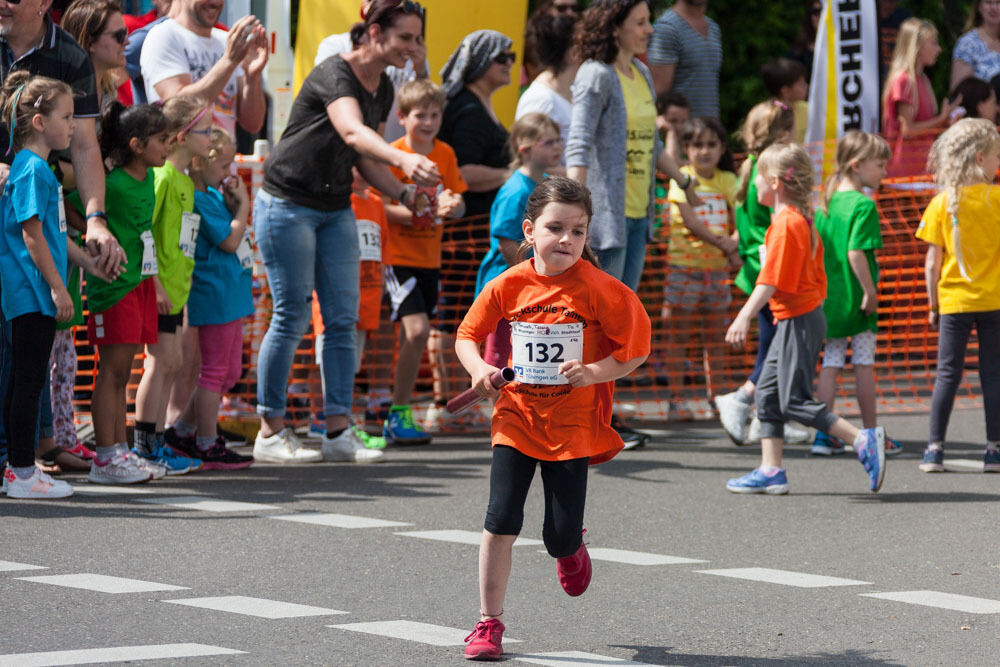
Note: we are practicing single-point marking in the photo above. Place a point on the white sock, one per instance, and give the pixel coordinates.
(183, 429)
(769, 471)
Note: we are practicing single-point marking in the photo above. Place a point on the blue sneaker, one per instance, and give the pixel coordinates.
(892, 447)
(870, 446)
(826, 445)
(933, 460)
(171, 460)
(317, 429)
(991, 460)
(400, 429)
(757, 482)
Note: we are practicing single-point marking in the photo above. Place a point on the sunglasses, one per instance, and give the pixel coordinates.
(118, 35)
(549, 143)
(505, 58)
(207, 132)
(408, 7)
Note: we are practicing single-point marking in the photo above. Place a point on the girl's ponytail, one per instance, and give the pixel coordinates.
(854, 147)
(791, 164)
(121, 124)
(766, 123)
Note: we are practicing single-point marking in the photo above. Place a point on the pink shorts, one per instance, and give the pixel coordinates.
(221, 355)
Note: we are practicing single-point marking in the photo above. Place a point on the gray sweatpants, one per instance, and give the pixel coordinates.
(785, 389)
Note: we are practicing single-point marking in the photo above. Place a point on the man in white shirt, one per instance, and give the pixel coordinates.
(187, 55)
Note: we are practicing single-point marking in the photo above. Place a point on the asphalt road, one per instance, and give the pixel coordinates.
(830, 574)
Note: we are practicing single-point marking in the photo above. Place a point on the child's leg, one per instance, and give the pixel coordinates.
(414, 331)
(799, 340)
(62, 378)
(954, 331)
(31, 338)
(221, 357)
(107, 405)
(766, 397)
(988, 333)
(510, 478)
(713, 337)
(834, 358)
(565, 484)
(765, 334)
(447, 372)
(163, 360)
(187, 373)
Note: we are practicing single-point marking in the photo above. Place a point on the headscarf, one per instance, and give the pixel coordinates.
(472, 58)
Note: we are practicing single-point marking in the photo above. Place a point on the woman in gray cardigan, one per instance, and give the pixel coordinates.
(613, 146)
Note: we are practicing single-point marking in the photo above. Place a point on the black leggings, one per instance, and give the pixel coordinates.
(31, 341)
(565, 488)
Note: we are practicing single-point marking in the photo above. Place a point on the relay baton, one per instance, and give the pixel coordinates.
(469, 397)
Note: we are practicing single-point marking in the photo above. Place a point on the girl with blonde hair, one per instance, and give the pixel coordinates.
(962, 270)
(909, 110)
(793, 281)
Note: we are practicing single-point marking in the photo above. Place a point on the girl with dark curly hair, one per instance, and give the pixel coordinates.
(613, 146)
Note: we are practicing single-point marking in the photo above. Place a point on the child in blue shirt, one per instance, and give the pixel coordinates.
(34, 251)
(220, 297)
(537, 147)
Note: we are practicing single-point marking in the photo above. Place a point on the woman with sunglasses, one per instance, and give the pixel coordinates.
(306, 231)
(98, 26)
(613, 146)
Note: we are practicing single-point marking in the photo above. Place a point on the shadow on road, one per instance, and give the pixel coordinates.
(664, 655)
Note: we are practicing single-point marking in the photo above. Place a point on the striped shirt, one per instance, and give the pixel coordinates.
(697, 59)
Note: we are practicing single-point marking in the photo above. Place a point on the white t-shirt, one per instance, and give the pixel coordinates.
(171, 49)
(542, 99)
(341, 43)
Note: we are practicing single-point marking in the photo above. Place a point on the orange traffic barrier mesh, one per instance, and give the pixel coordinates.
(689, 362)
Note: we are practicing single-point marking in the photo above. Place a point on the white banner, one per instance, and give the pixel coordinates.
(844, 90)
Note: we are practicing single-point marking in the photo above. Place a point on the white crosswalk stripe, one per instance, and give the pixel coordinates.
(203, 504)
(103, 583)
(338, 520)
(969, 605)
(785, 577)
(10, 566)
(114, 654)
(424, 633)
(637, 557)
(463, 537)
(574, 659)
(239, 604)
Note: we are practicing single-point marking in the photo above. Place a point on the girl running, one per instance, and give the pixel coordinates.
(575, 331)
(123, 313)
(849, 226)
(767, 123)
(963, 276)
(175, 231)
(221, 296)
(34, 252)
(793, 282)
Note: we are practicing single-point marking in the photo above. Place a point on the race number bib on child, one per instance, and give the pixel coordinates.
(244, 251)
(62, 212)
(190, 223)
(149, 265)
(539, 350)
(370, 241)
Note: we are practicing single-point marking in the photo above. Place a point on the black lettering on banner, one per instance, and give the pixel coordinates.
(852, 86)
(852, 116)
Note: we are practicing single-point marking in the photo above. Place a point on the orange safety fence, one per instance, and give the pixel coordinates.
(689, 362)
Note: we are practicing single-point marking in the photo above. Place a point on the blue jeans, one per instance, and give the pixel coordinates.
(305, 249)
(626, 263)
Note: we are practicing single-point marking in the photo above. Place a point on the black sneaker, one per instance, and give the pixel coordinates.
(629, 435)
(221, 458)
(184, 446)
(232, 438)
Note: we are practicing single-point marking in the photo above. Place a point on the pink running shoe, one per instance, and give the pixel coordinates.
(484, 643)
(82, 451)
(575, 571)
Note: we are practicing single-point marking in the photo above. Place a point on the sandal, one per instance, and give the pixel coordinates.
(67, 462)
(82, 451)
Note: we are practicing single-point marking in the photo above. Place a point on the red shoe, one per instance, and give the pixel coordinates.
(82, 451)
(483, 643)
(574, 571)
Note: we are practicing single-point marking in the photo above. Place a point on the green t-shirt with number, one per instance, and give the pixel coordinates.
(752, 221)
(129, 207)
(850, 223)
(174, 198)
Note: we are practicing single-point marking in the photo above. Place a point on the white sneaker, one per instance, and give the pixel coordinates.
(120, 469)
(792, 434)
(734, 415)
(347, 447)
(39, 485)
(155, 469)
(283, 447)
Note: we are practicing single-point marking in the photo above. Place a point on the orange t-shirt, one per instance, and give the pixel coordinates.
(790, 265)
(560, 422)
(369, 212)
(420, 247)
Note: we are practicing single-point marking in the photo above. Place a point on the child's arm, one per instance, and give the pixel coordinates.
(738, 330)
(38, 249)
(695, 225)
(468, 354)
(509, 248)
(607, 369)
(932, 274)
(236, 198)
(858, 259)
(450, 205)
(87, 262)
(666, 164)
(163, 303)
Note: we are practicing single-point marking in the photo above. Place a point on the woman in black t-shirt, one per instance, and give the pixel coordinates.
(306, 231)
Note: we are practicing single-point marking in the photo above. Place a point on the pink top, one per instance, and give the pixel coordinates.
(909, 157)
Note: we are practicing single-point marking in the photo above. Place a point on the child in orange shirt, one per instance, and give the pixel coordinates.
(575, 330)
(792, 281)
(414, 266)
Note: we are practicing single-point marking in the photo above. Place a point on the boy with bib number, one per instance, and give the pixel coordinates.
(575, 330)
